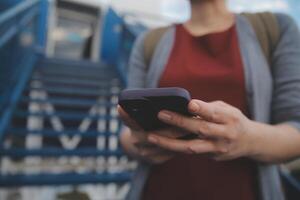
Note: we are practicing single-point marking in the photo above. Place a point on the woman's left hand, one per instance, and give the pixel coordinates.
(224, 131)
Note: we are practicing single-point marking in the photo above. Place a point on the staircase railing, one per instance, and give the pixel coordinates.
(57, 100)
(21, 32)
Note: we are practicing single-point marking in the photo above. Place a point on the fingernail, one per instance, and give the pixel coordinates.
(165, 116)
(152, 139)
(194, 107)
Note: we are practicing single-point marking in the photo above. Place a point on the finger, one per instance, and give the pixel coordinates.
(220, 158)
(143, 145)
(128, 121)
(189, 147)
(155, 155)
(194, 125)
(170, 132)
(212, 112)
(153, 151)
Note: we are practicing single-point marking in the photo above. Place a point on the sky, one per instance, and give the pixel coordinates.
(179, 10)
(259, 5)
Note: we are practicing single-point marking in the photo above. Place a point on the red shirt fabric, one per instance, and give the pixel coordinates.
(210, 68)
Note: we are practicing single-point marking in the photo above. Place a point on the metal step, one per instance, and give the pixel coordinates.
(60, 62)
(74, 81)
(68, 102)
(64, 179)
(94, 77)
(93, 74)
(63, 115)
(55, 152)
(52, 133)
(75, 91)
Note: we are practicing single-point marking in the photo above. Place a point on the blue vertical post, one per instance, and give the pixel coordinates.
(43, 24)
(111, 37)
(112, 40)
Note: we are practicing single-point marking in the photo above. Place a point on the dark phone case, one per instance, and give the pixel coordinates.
(144, 105)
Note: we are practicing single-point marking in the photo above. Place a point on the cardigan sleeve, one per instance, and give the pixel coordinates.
(286, 74)
(137, 70)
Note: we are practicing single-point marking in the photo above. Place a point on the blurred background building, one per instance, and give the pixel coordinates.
(63, 63)
(149, 11)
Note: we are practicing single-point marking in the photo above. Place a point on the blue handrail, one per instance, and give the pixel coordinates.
(15, 11)
(18, 40)
(15, 28)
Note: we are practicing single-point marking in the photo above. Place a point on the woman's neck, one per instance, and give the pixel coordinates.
(209, 16)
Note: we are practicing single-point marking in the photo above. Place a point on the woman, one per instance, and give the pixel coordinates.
(248, 118)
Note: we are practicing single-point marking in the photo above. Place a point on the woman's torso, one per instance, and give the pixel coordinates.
(210, 67)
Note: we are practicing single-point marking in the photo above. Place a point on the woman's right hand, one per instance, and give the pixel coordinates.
(135, 142)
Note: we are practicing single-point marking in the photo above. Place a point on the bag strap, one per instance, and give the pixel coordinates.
(151, 41)
(267, 30)
(264, 24)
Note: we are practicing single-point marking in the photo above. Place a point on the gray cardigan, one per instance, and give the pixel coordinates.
(273, 96)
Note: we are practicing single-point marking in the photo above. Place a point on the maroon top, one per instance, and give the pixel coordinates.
(210, 68)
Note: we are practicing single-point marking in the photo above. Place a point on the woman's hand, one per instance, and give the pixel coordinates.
(135, 142)
(225, 131)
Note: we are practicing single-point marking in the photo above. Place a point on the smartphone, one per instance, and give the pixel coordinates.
(143, 105)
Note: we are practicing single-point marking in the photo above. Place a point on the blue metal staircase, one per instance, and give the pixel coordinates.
(54, 110)
(53, 95)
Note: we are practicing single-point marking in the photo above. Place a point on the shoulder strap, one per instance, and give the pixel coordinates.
(151, 41)
(267, 31)
(264, 24)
